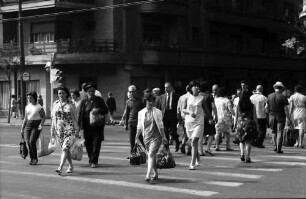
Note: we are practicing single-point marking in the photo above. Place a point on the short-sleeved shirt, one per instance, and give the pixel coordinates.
(259, 101)
(277, 103)
(33, 111)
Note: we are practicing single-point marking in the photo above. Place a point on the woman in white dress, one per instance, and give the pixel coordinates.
(298, 109)
(194, 121)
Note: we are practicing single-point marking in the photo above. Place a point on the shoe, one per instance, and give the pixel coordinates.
(229, 149)
(191, 167)
(70, 170)
(202, 154)
(154, 177)
(183, 149)
(214, 146)
(235, 142)
(93, 165)
(205, 143)
(301, 147)
(242, 158)
(58, 170)
(218, 149)
(34, 161)
(31, 162)
(197, 164)
(248, 160)
(261, 146)
(275, 149)
(280, 152)
(177, 147)
(296, 145)
(209, 152)
(147, 179)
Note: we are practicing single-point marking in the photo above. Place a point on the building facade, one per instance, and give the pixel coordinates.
(222, 41)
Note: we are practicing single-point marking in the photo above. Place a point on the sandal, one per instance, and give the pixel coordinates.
(58, 170)
(69, 170)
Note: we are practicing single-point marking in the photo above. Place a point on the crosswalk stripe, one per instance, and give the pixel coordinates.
(287, 163)
(223, 183)
(287, 157)
(262, 169)
(119, 183)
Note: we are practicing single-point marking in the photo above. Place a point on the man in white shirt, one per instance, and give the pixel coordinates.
(260, 101)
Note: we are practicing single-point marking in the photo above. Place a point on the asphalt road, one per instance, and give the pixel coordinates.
(270, 175)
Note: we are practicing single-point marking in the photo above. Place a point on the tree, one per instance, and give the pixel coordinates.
(9, 63)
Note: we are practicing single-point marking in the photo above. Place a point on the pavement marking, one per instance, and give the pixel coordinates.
(288, 163)
(287, 157)
(118, 183)
(9, 145)
(223, 183)
(262, 169)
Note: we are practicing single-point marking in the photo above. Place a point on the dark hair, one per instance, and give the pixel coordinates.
(149, 97)
(222, 92)
(298, 88)
(89, 85)
(205, 86)
(245, 103)
(243, 82)
(76, 92)
(84, 85)
(192, 84)
(34, 95)
(62, 88)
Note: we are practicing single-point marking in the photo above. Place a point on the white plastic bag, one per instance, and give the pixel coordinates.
(77, 149)
(42, 145)
(52, 145)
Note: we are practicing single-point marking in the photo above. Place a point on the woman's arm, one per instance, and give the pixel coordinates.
(43, 118)
(22, 126)
(230, 108)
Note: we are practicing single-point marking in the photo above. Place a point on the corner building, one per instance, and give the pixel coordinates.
(222, 41)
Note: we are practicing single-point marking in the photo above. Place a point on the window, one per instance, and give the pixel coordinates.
(214, 40)
(289, 13)
(43, 32)
(4, 97)
(152, 34)
(196, 38)
(236, 43)
(236, 5)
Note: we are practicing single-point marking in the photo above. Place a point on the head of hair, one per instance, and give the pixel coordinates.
(89, 85)
(187, 88)
(62, 88)
(84, 85)
(205, 86)
(110, 94)
(149, 97)
(222, 92)
(298, 88)
(76, 92)
(132, 87)
(192, 84)
(245, 103)
(287, 93)
(243, 82)
(33, 94)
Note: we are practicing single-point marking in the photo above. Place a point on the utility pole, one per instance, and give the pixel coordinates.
(22, 59)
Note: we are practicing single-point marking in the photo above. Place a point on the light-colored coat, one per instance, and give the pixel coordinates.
(158, 118)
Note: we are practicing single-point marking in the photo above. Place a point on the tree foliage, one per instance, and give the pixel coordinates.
(9, 58)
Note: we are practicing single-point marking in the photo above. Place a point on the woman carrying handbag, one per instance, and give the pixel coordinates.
(150, 124)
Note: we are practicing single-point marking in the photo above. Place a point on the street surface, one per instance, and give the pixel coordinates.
(271, 175)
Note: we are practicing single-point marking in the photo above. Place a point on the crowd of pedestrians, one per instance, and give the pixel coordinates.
(206, 114)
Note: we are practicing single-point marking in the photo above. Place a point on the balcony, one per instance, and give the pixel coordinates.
(175, 7)
(12, 5)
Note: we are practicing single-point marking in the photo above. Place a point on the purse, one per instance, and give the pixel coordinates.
(135, 157)
(23, 149)
(96, 119)
(143, 155)
(164, 159)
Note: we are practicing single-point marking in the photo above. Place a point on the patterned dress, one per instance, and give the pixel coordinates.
(246, 126)
(64, 123)
(224, 112)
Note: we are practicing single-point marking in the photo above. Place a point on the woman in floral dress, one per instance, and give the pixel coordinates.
(64, 127)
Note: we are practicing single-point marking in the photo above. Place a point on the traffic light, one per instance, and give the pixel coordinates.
(55, 75)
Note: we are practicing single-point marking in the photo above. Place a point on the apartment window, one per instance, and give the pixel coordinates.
(236, 43)
(196, 37)
(236, 5)
(214, 40)
(90, 25)
(43, 32)
(289, 13)
(152, 34)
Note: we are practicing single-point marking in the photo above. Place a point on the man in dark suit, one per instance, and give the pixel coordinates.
(168, 105)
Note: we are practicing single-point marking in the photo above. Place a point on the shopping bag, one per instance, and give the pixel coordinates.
(77, 149)
(42, 145)
(164, 159)
(135, 157)
(52, 145)
(23, 149)
(142, 153)
(289, 137)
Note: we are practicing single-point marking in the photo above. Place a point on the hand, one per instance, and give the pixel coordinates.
(53, 134)
(39, 127)
(165, 141)
(193, 115)
(121, 123)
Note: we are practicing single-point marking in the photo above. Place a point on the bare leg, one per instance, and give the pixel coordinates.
(217, 140)
(301, 137)
(151, 159)
(227, 136)
(200, 143)
(194, 150)
(209, 141)
(69, 158)
(241, 145)
(248, 149)
(63, 158)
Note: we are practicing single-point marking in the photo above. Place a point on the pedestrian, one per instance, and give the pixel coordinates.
(40, 101)
(156, 92)
(83, 94)
(215, 90)
(150, 125)
(181, 121)
(224, 123)
(168, 105)
(298, 110)
(64, 127)
(209, 122)
(194, 121)
(260, 101)
(93, 133)
(75, 99)
(133, 105)
(111, 104)
(19, 113)
(278, 113)
(14, 106)
(246, 125)
(32, 125)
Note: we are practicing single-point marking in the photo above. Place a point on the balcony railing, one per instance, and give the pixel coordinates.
(70, 47)
(2, 2)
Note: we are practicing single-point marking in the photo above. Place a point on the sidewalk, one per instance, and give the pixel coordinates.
(18, 122)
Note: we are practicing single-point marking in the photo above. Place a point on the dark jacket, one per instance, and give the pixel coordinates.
(162, 103)
(111, 104)
(85, 108)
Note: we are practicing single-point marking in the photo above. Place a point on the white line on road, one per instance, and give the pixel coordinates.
(223, 183)
(287, 157)
(119, 183)
(263, 169)
(288, 163)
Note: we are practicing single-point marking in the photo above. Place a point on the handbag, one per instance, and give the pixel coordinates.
(143, 155)
(23, 149)
(135, 157)
(96, 119)
(77, 149)
(42, 145)
(164, 159)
